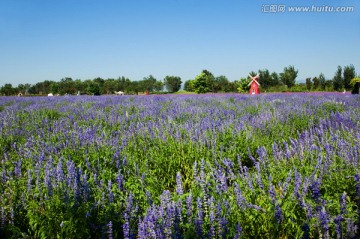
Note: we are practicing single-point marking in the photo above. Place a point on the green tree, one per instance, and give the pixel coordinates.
(109, 86)
(275, 79)
(308, 83)
(355, 84)
(288, 76)
(201, 84)
(349, 74)
(172, 83)
(189, 85)
(221, 83)
(210, 80)
(265, 79)
(93, 88)
(148, 84)
(322, 81)
(244, 85)
(338, 81)
(204, 82)
(316, 83)
(66, 86)
(7, 90)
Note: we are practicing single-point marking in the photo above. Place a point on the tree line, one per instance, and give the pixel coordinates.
(97, 86)
(343, 79)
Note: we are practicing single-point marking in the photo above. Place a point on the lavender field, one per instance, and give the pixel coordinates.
(180, 166)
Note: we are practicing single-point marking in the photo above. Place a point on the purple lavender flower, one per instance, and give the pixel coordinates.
(238, 231)
(278, 215)
(338, 227)
(85, 188)
(110, 192)
(148, 197)
(272, 193)
(47, 179)
(251, 157)
(17, 169)
(199, 217)
(189, 207)
(324, 221)
(211, 233)
(315, 188)
(179, 189)
(71, 173)
(59, 172)
(127, 214)
(261, 151)
(343, 203)
(29, 184)
(239, 197)
(110, 229)
(3, 176)
(119, 181)
(297, 184)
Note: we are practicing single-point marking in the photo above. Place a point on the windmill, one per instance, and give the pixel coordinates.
(254, 84)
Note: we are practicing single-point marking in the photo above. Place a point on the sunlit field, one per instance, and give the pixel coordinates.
(180, 166)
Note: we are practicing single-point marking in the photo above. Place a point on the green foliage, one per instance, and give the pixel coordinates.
(172, 83)
(308, 83)
(288, 76)
(355, 84)
(201, 83)
(268, 80)
(338, 81)
(189, 86)
(244, 85)
(93, 89)
(348, 75)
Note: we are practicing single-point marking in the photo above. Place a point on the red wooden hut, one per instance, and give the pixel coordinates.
(254, 85)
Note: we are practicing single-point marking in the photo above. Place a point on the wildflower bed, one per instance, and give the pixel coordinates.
(180, 166)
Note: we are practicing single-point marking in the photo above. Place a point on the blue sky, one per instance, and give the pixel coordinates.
(83, 39)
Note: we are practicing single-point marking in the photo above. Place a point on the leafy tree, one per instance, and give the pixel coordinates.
(172, 83)
(109, 86)
(210, 80)
(189, 85)
(316, 82)
(158, 86)
(66, 86)
(338, 81)
(204, 82)
(322, 81)
(93, 88)
(221, 83)
(308, 83)
(288, 76)
(349, 74)
(201, 83)
(7, 90)
(355, 84)
(264, 78)
(275, 79)
(244, 85)
(148, 84)
(135, 87)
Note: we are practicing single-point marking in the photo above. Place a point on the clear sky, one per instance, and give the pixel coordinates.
(83, 39)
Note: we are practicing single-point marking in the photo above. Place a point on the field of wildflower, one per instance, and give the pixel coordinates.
(180, 166)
